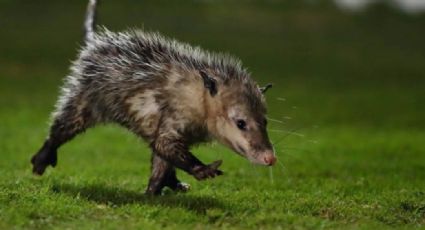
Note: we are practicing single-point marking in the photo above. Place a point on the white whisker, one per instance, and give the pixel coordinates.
(275, 120)
(289, 132)
(313, 141)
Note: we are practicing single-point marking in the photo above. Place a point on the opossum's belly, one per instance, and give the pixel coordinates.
(144, 113)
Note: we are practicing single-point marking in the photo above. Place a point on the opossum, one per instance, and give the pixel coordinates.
(169, 93)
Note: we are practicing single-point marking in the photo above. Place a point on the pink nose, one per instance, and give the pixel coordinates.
(270, 159)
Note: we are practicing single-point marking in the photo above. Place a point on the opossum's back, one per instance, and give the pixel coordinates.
(122, 55)
(115, 65)
(109, 71)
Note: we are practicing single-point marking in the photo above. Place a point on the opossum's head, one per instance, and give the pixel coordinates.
(237, 117)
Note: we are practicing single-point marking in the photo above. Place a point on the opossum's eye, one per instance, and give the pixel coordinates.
(241, 124)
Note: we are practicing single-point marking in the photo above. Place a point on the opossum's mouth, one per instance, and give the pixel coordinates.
(240, 150)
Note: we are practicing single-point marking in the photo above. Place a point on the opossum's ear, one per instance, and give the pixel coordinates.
(264, 89)
(209, 83)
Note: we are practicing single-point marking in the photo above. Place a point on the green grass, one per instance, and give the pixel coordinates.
(351, 86)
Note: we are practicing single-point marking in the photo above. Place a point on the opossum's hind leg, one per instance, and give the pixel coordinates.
(72, 119)
(164, 175)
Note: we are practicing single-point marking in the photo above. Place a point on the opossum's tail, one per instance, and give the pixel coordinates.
(89, 22)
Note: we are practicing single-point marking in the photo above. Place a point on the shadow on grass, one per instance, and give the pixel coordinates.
(104, 194)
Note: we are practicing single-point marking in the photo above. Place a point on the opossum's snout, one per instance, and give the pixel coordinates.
(268, 158)
(256, 154)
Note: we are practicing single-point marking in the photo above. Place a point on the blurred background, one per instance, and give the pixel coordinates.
(347, 107)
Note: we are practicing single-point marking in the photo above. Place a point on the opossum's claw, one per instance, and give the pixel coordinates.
(207, 171)
(215, 164)
(219, 172)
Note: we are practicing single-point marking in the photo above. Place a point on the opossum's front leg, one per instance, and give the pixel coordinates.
(177, 153)
(163, 175)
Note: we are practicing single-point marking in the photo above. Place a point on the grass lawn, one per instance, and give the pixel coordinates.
(349, 93)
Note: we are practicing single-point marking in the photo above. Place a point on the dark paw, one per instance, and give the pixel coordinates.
(203, 172)
(41, 161)
(38, 169)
